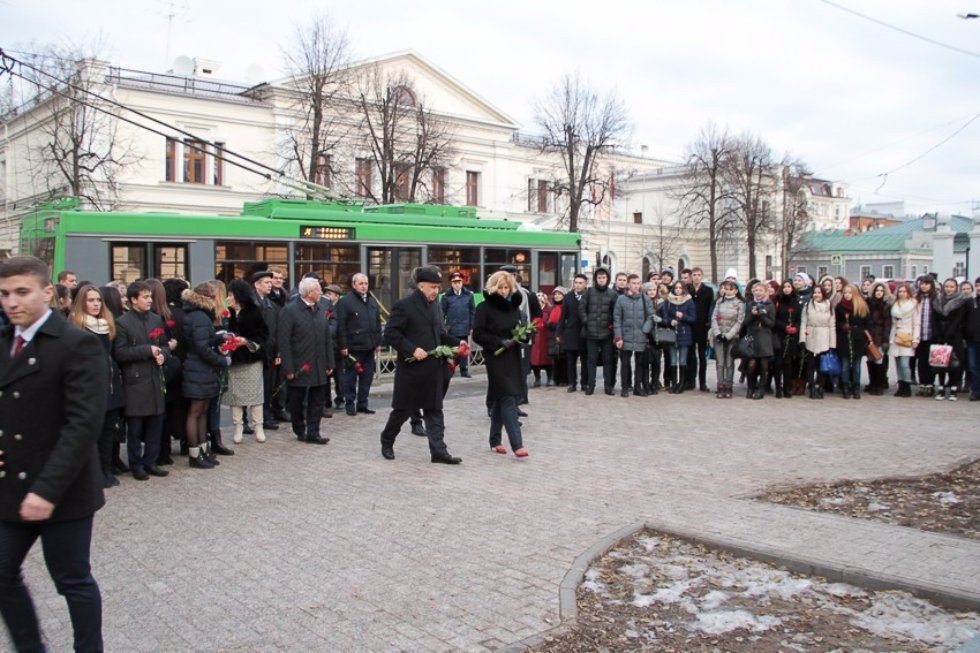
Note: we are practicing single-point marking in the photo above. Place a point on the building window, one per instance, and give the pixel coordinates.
(637, 217)
(888, 271)
(959, 270)
(219, 165)
(532, 190)
(439, 185)
(472, 188)
(925, 269)
(915, 271)
(362, 177)
(801, 268)
(171, 173)
(866, 272)
(195, 162)
(537, 195)
(542, 196)
(403, 96)
(322, 174)
(403, 176)
(821, 271)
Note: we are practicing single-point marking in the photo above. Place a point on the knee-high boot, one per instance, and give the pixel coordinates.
(237, 424)
(257, 419)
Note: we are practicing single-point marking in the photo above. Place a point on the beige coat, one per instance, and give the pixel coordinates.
(905, 318)
(818, 329)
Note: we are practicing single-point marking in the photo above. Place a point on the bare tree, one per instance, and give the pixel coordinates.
(81, 152)
(705, 195)
(667, 238)
(749, 174)
(406, 140)
(794, 218)
(581, 126)
(318, 60)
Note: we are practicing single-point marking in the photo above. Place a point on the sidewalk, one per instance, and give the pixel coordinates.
(293, 547)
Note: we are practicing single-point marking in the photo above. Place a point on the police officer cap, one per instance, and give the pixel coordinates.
(261, 274)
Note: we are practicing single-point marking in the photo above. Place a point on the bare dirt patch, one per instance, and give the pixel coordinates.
(658, 593)
(947, 502)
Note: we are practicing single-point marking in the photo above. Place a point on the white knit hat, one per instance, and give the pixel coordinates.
(731, 273)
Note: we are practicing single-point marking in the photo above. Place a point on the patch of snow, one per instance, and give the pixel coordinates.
(725, 621)
(649, 542)
(637, 570)
(673, 593)
(842, 590)
(833, 501)
(947, 498)
(876, 506)
(713, 599)
(896, 614)
(592, 582)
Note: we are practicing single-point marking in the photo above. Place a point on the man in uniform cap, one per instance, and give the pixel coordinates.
(458, 310)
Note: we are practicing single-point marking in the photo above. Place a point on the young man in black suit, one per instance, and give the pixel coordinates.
(54, 382)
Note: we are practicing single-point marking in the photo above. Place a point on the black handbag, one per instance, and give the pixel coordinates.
(663, 336)
(743, 347)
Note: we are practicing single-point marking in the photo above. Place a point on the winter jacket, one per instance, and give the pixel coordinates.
(570, 323)
(880, 316)
(142, 377)
(759, 320)
(668, 312)
(117, 395)
(972, 328)
(202, 367)
(495, 319)
(905, 320)
(358, 322)
(949, 318)
(786, 330)
(596, 309)
(852, 338)
(630, 313)
(270, 313)
(818, 329)
(727, 317)
(459, 311)
(305, 344)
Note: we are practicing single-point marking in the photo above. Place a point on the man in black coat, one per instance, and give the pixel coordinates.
(704, 299)
(571, 333)
(358, 335)
(53, 392)
(414, 328)
(273, 404)
(306, 348)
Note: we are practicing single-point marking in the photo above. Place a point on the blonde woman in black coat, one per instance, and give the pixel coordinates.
(495, 319)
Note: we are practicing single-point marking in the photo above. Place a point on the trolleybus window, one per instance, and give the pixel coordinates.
(464, 259)
(333, 263)
(235, 259)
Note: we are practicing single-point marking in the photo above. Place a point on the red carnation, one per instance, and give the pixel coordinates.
(452, 366)
(157, 333)
(306, 367)
(464, 349)
(171, 324)
(359, 367)
(225, 313)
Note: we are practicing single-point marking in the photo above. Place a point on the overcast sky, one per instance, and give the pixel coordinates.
(852, 98)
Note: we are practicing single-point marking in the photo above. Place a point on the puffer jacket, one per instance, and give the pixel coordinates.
(880, 315)
(595, 310)
(726, 319)
(201, 379)
(759, 325)
(818, 329)
(629, 316)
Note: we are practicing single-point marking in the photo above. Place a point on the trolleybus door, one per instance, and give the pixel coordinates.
(389, 272)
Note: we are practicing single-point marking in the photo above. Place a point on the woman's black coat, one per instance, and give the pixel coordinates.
(248, 323)
(495, 319)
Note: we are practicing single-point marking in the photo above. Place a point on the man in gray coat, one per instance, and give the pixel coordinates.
(633, 317)
(306, 351)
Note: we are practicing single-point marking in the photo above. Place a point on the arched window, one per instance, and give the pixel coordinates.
(403, 96)
(646, 268)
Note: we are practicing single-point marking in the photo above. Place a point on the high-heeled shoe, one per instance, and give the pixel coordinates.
(499, 449)
(521, 453)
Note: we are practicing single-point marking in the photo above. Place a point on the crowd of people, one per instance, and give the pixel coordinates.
(784, 339)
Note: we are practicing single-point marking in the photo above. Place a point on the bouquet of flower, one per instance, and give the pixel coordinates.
(445, 351)
(356, 364)
(155, 338)
(303, 369)
(520, 334)
(229, 345)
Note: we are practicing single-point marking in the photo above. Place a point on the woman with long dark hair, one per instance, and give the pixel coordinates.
(89, 312)
(880, 318)
(818, 333)
(245, 390)
(949, 311)
(926, 296)
(679, 312)
(786, 338)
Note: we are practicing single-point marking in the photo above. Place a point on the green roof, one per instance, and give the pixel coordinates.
(957, 223)
(836, 241)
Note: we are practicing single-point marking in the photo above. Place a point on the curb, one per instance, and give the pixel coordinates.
(866, 579)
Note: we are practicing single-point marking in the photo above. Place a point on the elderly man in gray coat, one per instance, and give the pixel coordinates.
(306, 350)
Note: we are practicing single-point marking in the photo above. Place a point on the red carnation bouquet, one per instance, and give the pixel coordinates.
(356, 364)
(305, 368)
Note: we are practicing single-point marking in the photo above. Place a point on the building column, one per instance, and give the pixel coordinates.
(942, 251)
(973, 259)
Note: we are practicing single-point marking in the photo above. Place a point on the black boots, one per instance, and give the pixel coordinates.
(216, 445)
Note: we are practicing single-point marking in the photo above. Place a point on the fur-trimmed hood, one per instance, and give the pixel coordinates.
(512, 303)
(195, 301)
(678, 299)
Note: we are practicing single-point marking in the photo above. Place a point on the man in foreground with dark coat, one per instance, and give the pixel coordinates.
(54, 383)
(414, 328)
(306, 349)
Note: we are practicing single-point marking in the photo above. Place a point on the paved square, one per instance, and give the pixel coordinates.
(288, 546)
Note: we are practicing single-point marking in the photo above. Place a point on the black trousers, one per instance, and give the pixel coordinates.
(632, 375)
(66, 546)
(593, 347)
(306, 425)
(435, 429)
(927, 375)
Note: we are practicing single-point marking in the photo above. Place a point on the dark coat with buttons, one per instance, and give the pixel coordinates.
(496, 318)
(570, 324)
(305, 344)
(52, 403)
(459, 311)
(142, 377)
(358, 322)
(416, 322)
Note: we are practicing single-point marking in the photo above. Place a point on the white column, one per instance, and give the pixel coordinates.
(973, 261)
(942, 251)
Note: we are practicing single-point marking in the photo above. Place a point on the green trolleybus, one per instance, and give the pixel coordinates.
(333, 239)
